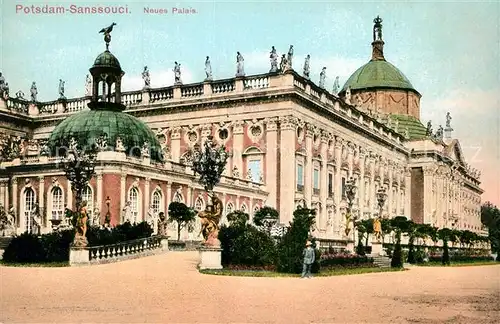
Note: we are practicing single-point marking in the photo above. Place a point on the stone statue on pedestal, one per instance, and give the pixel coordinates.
(119, 147)
(428, 130)
(283, 63)
(274, 60)
(240, 69)
(146, 78)
(208, 70)
(162, 224)
(336, 86)
(377, 229)
(289, 57)
(177, 74)
(81, 227)
(307, 68)
(439, 132)
(61, 89)
(209, 219)
(448, 120)
(88, 86)
(34, 92)
(127, 212)
(322, 78)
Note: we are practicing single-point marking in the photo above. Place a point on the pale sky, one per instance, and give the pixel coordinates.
(449, 51)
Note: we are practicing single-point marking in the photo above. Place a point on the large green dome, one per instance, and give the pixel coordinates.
(378, 74)
(88, 126)
(107, 59)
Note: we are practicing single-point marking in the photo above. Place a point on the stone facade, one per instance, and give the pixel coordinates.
(292, 143)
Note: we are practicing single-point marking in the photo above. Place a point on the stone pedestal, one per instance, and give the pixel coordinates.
(377, 249)
(350, 247)
(210, 258)
(164, 243)
(78, 256)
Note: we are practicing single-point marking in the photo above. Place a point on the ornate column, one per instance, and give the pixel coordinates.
(238, 146)
(69, 195)
(338, 182)
(407, 192)
(250, 210)
(189, 200)
(14, 202)
(3, 190)
(99, 193)
(428, 175)
(288, 125)
(399, 175)
(271, 174)
(237, 203)
(147, 195)
(308, 183)
(373, 197)
(350, 158)
(41, 198)
(168, 197)
(361, 182)
(175, 146)
(390, 202)
(123, 195)
(323, 180)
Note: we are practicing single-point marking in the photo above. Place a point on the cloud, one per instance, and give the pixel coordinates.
(159, 79)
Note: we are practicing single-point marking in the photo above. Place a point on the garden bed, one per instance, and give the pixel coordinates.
(323, 273)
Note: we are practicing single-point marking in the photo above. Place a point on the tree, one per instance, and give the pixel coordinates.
(293, 242)
(400, 225)
(445, 234)
(181, 214)
(490, 217)
(238, 218)
(265, 212)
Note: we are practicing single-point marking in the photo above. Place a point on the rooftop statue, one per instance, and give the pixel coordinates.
(336, 86)
(240, 68)
(88, 86)
(107, 36)
(146, 78)
(283, 63)
(61, 89)
(290, 56)
(439, 132)
(377, 29)
(428, 131)
(2, 83)
(34, 91)
(322, 78)
(208, 69)
(307, 68)
(273, 56)
(448, 120)
(177, 73)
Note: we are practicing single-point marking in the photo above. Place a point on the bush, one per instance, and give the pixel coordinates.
(397, 257)
(335, 260)
(123, 232)
(243, 244)
(411, 254)
(56, 245)
(25, 248)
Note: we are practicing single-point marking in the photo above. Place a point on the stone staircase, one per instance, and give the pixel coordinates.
(381, 261)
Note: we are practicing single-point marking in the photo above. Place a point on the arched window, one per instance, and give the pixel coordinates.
(57, 203)
(199, 204)
(256, 209)
(229, 208)
(157, 201)
(29, 208)
(88, 196)
(133, 197)
(244, 208)
(178, 197)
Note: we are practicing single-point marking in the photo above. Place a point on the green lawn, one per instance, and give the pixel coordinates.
(459, 264)
(27, 265)
(323, 273)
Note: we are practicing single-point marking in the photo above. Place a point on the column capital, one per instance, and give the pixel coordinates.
(41, 179)
(176, 132)
(271, 124)
(288, 122)
(148, 179)
(238, 126)
(325, 137)
(99, 176)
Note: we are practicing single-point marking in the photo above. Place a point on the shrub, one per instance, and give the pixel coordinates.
(25, 248)
(56, 245)
(397, 257)
(265, 212)
(243, 244)
(343, 259)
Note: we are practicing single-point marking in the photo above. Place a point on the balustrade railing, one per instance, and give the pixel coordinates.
(259, 82)
(223, 86)
(162, 94)
(98, 254)
(131, 98)
(192, 91)
(18, 105)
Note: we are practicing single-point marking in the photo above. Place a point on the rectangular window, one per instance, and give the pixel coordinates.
(343, 187)
(316, 182)
(255, 170)
(300, 177)
(330, 185)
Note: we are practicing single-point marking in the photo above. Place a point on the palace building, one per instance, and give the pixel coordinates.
(292, 142)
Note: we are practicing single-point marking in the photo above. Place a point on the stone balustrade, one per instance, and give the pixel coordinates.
(118, 252)
(289, 81)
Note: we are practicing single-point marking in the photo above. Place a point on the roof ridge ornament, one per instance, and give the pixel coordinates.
(378, 42)
(107, 34)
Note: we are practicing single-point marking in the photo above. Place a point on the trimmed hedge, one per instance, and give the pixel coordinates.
(345, 260)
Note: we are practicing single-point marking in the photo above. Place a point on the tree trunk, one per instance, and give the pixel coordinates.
(178, 231)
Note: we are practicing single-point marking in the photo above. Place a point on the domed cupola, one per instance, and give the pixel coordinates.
(379, 87)
(106, 122)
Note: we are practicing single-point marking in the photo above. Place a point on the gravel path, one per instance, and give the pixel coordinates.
(169, 289)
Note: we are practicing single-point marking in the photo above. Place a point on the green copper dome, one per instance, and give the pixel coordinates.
(87, 127)
(106, 59)
(378, 74)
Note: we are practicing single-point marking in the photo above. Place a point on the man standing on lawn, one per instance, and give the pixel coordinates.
(308, 260)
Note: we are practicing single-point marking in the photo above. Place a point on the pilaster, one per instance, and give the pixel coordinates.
(361, 182)
(99, 193)
(147, 195)
(41, 197)
(338, 182)
(271, 174)
(168, 197)
(14, 201)
(323, 180)
(308, 183)
(238, 136)
(407, 191)
(288, 125)
(123, 195)
(69, 194)
(175, 145)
